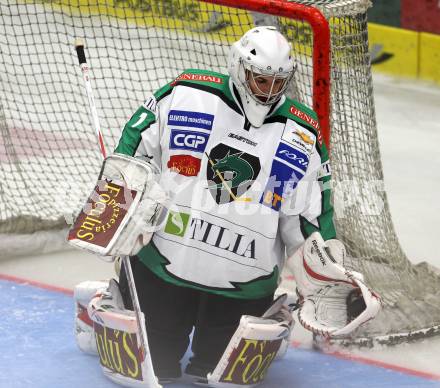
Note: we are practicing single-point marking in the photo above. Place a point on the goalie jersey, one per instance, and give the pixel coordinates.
(242, 196)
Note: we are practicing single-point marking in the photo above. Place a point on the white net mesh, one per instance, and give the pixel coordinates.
(49, 156)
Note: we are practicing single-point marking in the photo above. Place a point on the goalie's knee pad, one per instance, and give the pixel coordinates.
(254, 345)
(83, 294)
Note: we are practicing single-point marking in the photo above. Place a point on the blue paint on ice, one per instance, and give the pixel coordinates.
(38, 350)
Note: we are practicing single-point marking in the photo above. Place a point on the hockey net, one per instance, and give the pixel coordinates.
(48, 153)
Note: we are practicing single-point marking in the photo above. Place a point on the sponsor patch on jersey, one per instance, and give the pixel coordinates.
(188, 140)
(184, 164)
(198, 77)
(242, 138)
(292, 156)
(184, 118)
(177, 223)
(230, 173)
(305, 117)
(299, 137)
(222, 238)
(308, 119)
(282, 179)
(208, 233)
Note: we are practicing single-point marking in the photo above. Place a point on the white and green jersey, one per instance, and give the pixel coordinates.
(243, 195)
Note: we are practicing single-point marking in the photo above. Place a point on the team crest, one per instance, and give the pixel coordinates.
(230, 173)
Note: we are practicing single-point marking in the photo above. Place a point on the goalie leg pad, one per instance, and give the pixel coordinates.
(82, 295)
(118, 339)
(254, 345)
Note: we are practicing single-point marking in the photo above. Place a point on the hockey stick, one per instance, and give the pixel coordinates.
(79, 47)
(150, 377)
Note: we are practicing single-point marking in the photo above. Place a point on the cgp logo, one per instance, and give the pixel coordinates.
(188, 140)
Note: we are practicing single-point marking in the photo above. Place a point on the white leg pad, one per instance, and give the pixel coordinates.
(118, 339)
(254, 345)
(83, 294)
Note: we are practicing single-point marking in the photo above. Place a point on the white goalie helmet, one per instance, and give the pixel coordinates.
(261, 66)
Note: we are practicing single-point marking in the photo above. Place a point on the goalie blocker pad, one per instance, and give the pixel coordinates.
(333, 300)
(254, 345)
(123, 210)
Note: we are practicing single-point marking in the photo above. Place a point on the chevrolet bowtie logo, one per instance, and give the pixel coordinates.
(305, 138)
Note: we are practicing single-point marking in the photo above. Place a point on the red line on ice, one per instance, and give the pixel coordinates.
(35, 283)
(381, 364)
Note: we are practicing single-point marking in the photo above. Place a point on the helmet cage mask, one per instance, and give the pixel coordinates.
(250, 73)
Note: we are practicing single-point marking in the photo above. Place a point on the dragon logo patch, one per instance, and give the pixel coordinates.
(230, 173)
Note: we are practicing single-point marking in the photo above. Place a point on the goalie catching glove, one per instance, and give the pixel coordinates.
(333, 300)
(123, 211)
